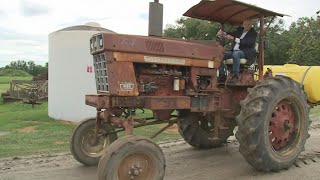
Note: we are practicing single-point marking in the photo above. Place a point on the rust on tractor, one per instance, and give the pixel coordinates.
(162, 75)
(148, 45)
(98, 101)
(150, 102)
(141, 58)
(282, 125)
(136, 166)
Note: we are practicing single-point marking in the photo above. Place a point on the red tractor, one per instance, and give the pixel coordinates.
(169, 75)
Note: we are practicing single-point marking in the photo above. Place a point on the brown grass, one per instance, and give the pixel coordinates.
(172, 129)
(60, 142)
(27, 129)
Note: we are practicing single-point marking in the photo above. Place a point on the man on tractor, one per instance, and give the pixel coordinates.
(244, 47)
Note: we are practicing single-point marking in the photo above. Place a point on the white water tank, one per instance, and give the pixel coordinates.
(71, 73)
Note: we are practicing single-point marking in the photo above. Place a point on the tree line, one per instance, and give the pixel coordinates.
(299, 44)
(29, 67)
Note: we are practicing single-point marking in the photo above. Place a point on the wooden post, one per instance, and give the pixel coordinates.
(10, 87)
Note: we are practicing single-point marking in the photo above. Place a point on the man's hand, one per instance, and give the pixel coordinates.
(225, 35)
(229, 37)
(237, 40)
(220, 33)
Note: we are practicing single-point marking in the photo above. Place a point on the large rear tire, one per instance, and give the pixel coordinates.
(82, 146)
(273, 124)
(132, 157)
(198, 130)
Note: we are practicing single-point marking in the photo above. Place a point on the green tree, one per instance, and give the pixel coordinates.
(190, 28)
(278, 43)
(20, 64)
(29, 67)
(305, 48)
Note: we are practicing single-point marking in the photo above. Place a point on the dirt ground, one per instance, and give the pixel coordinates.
(183, 163)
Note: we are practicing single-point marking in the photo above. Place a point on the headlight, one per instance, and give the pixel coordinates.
(101, 42)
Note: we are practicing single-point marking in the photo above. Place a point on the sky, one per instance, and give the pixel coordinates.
(26, 24)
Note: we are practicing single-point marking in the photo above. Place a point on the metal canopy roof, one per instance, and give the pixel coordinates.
(227, 11)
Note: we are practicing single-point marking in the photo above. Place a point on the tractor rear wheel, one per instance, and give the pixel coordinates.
(132, 157)
(273, 124)
(82, 145)
(198, 130)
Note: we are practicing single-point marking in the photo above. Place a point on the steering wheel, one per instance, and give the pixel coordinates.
(226, 43)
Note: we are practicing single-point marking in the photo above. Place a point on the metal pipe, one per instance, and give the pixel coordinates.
(261, 48)
(217, 119)
(97, 127)
(161, 130)
(155, 18)
(222, 26)
(269, 24)
(154, 122)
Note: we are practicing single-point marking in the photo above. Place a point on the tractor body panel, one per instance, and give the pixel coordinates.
(160, 74)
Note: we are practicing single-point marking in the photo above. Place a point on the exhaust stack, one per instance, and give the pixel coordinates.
(155, 18)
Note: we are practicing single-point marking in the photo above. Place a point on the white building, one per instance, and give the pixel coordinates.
(71, 73)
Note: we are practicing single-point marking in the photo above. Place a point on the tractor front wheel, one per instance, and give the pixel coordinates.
(132, 157)
(82, 145)
(273, 124)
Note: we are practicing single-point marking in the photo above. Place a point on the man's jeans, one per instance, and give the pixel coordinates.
(236, 56)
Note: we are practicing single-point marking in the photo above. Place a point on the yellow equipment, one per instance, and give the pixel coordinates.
(308, 76)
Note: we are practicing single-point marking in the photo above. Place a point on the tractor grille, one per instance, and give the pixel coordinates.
(154, 46)
(100, 70)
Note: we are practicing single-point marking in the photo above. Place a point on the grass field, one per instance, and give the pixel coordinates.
(31, 131)
(28, 130)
